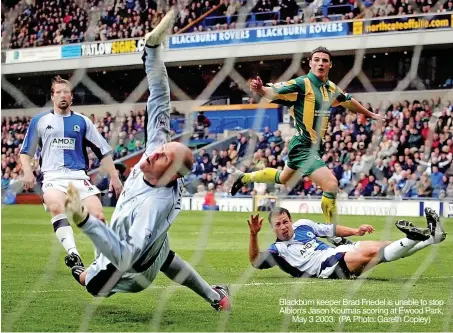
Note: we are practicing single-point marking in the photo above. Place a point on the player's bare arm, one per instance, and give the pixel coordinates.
(109, 167)
(342, 231)
(255, 224)
(355, 106)
(29, 178)
(256, 85)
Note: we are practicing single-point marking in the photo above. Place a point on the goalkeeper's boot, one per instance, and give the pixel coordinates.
(434, 225)
(76, 272)
(73, 259)
(75, 206)
(159, 33)
(224, 303)
(412, 232)
(238, 183)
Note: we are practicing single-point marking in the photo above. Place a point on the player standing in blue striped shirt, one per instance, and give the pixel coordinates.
(63, 137)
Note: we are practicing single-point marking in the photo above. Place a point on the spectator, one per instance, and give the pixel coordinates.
(277, 138)
(223, 158)
(262, 143)
(206, 164)
(233, 154)
(215, 159)
(242, 146)
(244, 191)
(223, 175)
(267, 133)
(120, 148)
(209, 199)
(288, 9)
(436, 178)
(346, 177)
(201, 153)
(369, 188)
(424, 187)
(376, 191)
(132, 145)
(201, 126)
(201, 191)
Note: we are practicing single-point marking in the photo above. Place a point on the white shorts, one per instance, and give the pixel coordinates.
(331, 259)
(85, 188)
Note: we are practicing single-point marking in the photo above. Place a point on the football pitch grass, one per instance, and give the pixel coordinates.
(39, 294)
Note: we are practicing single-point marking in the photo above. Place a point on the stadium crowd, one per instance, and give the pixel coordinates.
(13, 134)
(413, 157)
(54, 22)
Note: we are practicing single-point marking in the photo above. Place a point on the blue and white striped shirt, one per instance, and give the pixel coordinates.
(63, 142)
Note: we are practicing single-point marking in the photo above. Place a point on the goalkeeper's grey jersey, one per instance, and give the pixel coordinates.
(144, 212)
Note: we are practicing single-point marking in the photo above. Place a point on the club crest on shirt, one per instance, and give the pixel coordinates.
(162, 121)
(76, 128)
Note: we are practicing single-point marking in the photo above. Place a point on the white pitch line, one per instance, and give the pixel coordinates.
(251, 284)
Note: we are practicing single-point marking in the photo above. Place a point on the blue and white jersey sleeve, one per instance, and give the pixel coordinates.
(32, 138)
(95, 140)
(272, 249)
(305, 227)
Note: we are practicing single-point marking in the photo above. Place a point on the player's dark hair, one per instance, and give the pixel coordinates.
(277, 211)
(321, 49)
(59, 80)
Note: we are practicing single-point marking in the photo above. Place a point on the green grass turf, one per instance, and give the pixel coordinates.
(39, 293)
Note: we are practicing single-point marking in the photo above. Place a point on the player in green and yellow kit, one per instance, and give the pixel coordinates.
(310, 98)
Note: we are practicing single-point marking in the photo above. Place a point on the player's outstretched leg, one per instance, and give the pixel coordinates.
(400, 248)
(413, 232)
(267, 175)
(180, 271)
(158, 104)
(55, 204)
(157, 36)
(437, 232)
(329, 207)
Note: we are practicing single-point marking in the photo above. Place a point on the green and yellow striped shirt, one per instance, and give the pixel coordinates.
(309, 100)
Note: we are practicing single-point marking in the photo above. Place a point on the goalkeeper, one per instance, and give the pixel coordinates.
(310, 98)
(135, 247)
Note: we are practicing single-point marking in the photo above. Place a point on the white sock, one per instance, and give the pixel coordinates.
(419, 246)
(397, 249)
(64, 233)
